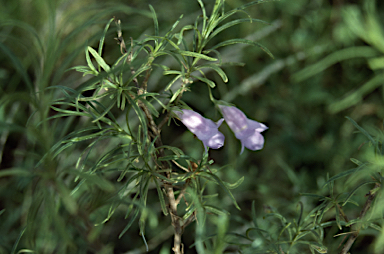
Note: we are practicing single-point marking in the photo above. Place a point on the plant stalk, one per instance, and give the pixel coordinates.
(352, 238)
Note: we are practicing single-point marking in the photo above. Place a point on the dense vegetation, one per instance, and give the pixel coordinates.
(68, 186)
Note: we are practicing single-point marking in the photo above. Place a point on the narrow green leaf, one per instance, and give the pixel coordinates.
(355, 189)
(162, 66)
(379, 242)
(116, 159)
(277, 215)
(213, 20)
(196, 55)
(301, 213)
(174, 96)
(150, 107)
(155, 21)
(175, 150)
(95, 179)
(356, 161)
(205, 80)
(68, 200)
(101, 43)
(14, 172)
(142, 47)
(374, 226)
(205, 18)
(206, 196)
(133, 218)
(170, 72)
(88, 150)
(217, 69)
(220, 183)
(70, 112)
(318, 247)
(89, 62)
(258, 230)
(241, 41)
(18, 65)
(356, 96)
(376, 63)
(137, 73)
(169, 35)
(234, 185)
(172, 82)
(364, 132)
(233, 23)
(162, 177)
(176, 157)
(161, 197)
(142, 119)
(62, 148)
(343, 174)
(215, 210)
(180, 35)
(106, 111)
(162, 45)
(337, 214)
(81, 68)
(122, 59)
(252, 3)
(338, 56)
(286, 227)
(99, 59)
(124, 191)
(312, 195)
(86, 137)
(13, 251)
(144, 187)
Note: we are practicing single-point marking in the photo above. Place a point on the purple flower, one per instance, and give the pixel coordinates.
(204, 129)
(246, 130)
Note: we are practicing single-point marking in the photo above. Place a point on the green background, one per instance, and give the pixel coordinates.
(302, 95)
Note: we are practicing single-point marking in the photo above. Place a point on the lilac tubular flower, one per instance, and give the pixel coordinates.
(246, 130)
(204, 129)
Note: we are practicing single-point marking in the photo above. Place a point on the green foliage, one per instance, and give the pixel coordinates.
(83, 170)
(365, 25)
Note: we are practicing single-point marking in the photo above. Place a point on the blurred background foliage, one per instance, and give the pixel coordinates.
(329, 62)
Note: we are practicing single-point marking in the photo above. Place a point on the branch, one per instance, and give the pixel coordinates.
(355, 234)
(154, 132)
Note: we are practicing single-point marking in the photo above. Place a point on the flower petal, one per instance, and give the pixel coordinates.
(218, 123)
(246, 130)
(254, 142)
(216, 141)
(235, 118)
(252, 124)
(251, 127)
(204, 129)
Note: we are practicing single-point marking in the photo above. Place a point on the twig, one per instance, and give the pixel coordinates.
(176, 222)
(123, 48)
(342, 213)
(165, 119)
(181, 195)
(120, 40)
(366, 207)
(183, 168)
(190, 219)
(154, 133)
